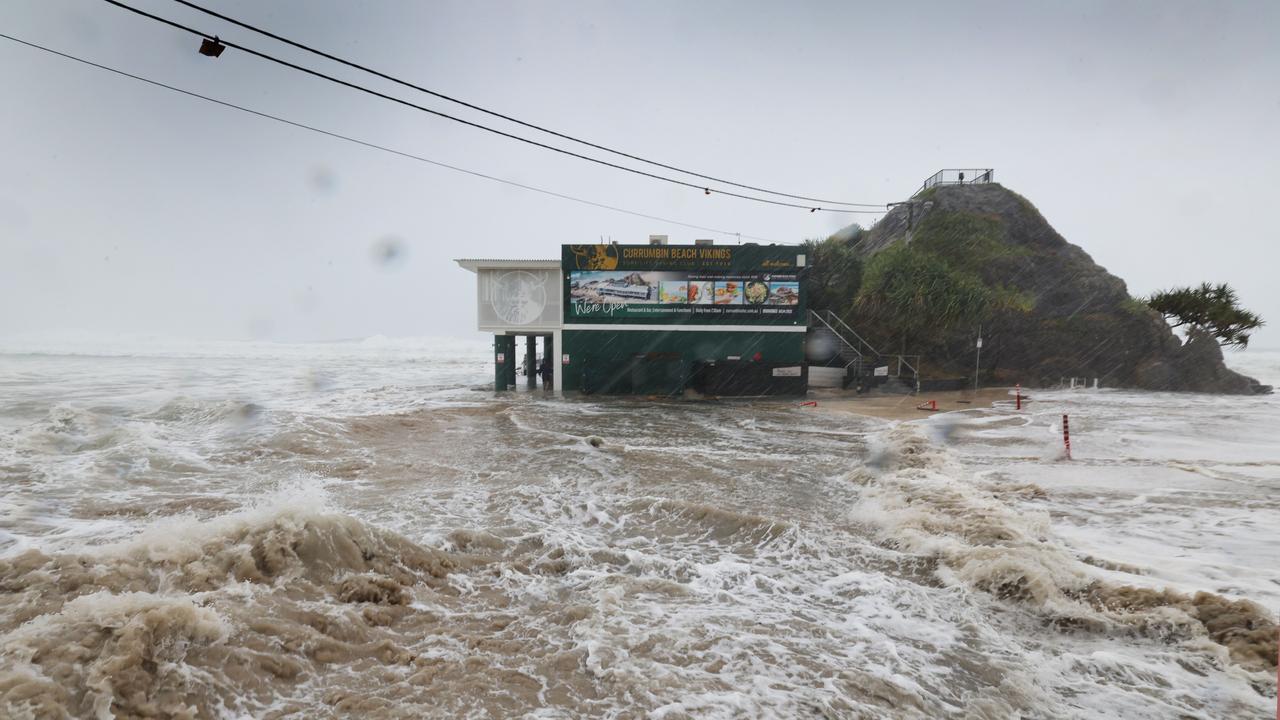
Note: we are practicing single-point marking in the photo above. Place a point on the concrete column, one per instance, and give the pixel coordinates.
(504, 358)
(555, 343)
(531, 359)
(511, 361)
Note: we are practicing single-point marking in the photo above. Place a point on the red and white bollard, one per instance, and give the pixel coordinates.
(1017, 396)
(1066, 435)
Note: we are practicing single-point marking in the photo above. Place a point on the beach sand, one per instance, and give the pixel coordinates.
(906, 407)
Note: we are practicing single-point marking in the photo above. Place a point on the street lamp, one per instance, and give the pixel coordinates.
(911, 214)
(211, 48)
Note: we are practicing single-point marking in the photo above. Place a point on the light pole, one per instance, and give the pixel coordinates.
(911, 212)
(977, 363)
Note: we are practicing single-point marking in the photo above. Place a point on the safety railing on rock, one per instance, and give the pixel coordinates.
(959, 176)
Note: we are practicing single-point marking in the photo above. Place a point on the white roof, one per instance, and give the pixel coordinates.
(475, 264)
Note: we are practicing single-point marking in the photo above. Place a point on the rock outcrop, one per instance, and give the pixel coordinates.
(1076, 319)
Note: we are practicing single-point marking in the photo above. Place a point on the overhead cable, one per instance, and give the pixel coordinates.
(486, 128)
(509, 118)
(383, 148)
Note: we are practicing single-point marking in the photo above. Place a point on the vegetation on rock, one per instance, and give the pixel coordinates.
(919, 295)
(835, 270)
(924, 278)
(925, 294)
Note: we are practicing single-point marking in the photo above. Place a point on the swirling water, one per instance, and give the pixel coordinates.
(323, 530)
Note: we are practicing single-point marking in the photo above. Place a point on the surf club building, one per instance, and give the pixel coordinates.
(653, 319)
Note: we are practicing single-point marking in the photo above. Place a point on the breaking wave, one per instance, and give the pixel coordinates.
(205, 619)
(919, 500)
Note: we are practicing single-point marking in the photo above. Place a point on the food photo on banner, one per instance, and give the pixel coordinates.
(743, 284)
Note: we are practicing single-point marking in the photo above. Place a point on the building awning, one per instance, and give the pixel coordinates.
(477, 264)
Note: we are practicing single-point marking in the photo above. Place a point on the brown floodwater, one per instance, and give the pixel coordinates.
(212, 537)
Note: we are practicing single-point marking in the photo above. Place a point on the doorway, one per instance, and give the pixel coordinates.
(535, 354)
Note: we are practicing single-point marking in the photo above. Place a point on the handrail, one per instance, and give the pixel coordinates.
(843, 339)
(902, 360)
(831, 318)
(915, 373)
(853, 332)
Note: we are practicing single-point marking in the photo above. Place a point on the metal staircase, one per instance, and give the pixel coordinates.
(858, 357)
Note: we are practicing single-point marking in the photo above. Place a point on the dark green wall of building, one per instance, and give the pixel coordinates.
(662, 362)
(504, 372)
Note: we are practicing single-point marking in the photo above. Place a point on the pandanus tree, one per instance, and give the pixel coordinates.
(1211, 309)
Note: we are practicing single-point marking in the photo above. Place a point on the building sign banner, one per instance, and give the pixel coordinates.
(659, 283)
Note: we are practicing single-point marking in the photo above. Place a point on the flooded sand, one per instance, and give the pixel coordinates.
(387, 542)
(899, 406)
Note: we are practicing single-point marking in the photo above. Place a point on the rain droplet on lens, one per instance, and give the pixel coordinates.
(322, 179)
(390, 251)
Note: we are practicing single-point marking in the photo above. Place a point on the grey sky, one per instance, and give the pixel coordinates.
(1145, 132)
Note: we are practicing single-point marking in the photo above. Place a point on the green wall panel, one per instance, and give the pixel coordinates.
(660, 362)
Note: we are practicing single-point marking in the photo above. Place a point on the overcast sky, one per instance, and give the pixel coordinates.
(1144, 131)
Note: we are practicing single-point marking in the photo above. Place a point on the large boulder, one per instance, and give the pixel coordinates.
(1074, 318)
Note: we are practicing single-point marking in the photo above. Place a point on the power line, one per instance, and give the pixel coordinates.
(476, 125)
(376, 146)
(508, 118)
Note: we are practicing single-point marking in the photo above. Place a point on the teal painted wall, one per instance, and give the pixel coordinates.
(504, 372)
(605, 354)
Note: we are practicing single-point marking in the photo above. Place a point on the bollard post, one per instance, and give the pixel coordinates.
(1066, 436)
(1017, 394)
